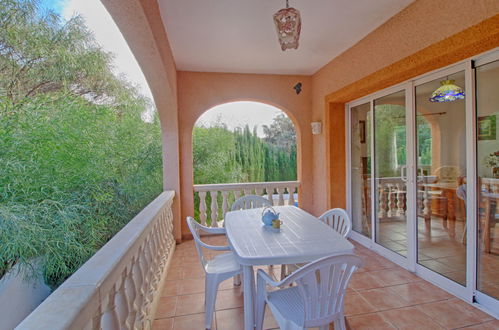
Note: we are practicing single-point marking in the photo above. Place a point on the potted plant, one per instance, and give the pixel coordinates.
(492, 161)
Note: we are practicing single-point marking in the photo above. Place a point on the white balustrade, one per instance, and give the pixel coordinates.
(118, 288)
(392, 196)
(221, 196)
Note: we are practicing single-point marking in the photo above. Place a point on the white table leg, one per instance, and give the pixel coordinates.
(249, 294)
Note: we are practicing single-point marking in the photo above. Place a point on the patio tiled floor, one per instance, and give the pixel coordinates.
(381, 295)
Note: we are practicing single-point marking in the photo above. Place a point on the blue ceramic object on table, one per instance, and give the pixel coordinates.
(268, 215)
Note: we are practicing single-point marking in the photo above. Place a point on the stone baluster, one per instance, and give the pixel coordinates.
(202, 207)
(138, 277)
(247, 192)
(400, 200)
(291, 200)
(225, 204)
(392, 202)
(121, 301)
(109, 318)
(259, 191)
(237, 193)
(131, 293)
(280, 191)
(270, 194)
(381, 201)
(214, 208)
(495, 188)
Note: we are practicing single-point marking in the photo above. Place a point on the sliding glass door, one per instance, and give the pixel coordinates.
(441, 184)
(424, 176)
(487, 146)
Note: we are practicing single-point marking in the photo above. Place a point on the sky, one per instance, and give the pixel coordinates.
(238, 114)
(109, 37)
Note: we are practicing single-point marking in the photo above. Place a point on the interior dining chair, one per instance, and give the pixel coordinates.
(316, 299)
(217, 269)
(336, 218)
(250, 202)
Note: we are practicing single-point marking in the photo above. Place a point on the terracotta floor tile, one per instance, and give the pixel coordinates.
(420, 292)
(383, 298)
(490, 325)
(230, 319)
(452, 314)
(364, 281)
(174, 273)
(170, 288)
(166, 307)
(229, 299)
(356, 304)
(228, 285)
(193, 272)
(191, 322)
(409, 318)
(163, 324)
(269, 321)
(190, 304)
(189, 286)
(395, 276)
(368, 322)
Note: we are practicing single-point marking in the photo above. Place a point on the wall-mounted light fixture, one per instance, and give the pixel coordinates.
(316, 127)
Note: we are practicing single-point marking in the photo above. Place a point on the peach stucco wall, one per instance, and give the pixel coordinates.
(421, 24)
(199, 92)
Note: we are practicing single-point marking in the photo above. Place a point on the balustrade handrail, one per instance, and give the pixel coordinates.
(242, 186)
(118, 287)
(214, 209)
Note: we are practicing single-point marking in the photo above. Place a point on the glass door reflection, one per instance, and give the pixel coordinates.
(441, 183)
(360, 147)
(390, 171)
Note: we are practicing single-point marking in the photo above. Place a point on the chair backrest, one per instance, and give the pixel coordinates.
(195, 227)
(338, 219)
(250, 202)
(447, 173)
(322, 285)
(461, 192)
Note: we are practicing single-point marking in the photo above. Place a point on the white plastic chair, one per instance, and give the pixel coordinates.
(317, 298)
(337, 219)
(250, 202)
(217, 270)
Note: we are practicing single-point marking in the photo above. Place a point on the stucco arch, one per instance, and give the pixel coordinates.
(198, 92)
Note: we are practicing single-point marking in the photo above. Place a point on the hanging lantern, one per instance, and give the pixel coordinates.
(447, 92)
(288, 24)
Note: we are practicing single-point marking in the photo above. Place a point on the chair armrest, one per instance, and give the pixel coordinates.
(264, 278)
(212, 230)
(214, 247)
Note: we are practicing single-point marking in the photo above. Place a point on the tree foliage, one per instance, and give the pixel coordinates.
(222, 156)
(78, 162)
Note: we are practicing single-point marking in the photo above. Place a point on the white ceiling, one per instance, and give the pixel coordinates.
(239, 35)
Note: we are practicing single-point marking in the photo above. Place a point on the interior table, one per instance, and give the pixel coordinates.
(302, 238)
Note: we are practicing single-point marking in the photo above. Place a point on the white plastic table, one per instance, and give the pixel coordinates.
(302, 238)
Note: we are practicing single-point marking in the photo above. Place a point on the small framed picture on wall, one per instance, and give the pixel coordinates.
(486, 129)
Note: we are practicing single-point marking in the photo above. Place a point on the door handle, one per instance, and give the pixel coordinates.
(403, 173)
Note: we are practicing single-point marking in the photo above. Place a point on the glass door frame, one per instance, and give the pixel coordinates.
(405, 262)
(481, 298)
(469, 292)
